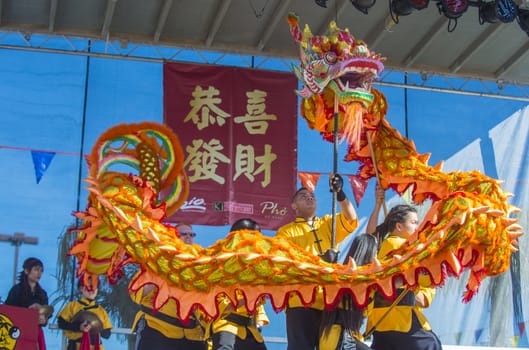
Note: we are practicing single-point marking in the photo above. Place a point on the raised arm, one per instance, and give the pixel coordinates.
(346, 206)
(380, 197)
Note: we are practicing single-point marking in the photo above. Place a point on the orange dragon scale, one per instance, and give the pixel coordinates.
(468, 226)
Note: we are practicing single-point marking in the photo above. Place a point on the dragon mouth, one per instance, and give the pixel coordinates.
(357, 75)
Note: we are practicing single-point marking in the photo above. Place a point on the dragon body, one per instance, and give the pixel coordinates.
(467, 227)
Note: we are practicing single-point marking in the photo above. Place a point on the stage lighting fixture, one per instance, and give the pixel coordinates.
(406, 7)
(453, 9)
(497, 10)
(400, 8)
(523, 20)
(322, 3)
(363, 5)
(419, 4)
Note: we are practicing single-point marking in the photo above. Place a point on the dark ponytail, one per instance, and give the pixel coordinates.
(363, 250)
(26, 296)
(397, 214)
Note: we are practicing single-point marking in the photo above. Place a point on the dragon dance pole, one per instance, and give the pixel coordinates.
(374, 160)
(334, 171)
(369, 332)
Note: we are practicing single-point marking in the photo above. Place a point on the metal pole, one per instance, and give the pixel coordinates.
(17, 247)
(368, 333)
(81, 162)
(17, 239)
(375, 166)
(335, 171)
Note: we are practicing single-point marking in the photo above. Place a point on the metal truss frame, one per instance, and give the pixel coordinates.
(424, 80)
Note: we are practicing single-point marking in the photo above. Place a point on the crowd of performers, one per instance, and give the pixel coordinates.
(391, 325)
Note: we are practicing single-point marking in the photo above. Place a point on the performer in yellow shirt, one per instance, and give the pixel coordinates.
(235, 328)
(341, 327)
(161, 329)
(314, 235)
(402, 326)
(238, 329)
(84, 316)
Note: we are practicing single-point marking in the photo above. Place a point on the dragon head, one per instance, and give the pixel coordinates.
(339, 61)
(336, 72)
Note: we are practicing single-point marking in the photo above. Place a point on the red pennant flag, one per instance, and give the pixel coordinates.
(521, 328)
(358, 185)
(88, 160)
(309, 180)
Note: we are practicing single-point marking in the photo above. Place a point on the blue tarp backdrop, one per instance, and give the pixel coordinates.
(54, 106)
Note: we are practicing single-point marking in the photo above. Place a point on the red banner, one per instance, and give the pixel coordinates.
(238, 129)
(18, 327)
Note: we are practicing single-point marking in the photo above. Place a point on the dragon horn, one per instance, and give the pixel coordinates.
(307, 35)
(293, 22)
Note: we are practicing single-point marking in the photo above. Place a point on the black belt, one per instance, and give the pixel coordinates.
(407, 300)
(241, 320)
(192, 322)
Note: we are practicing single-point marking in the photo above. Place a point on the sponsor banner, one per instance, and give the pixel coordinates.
(238, 129)
(18, 327)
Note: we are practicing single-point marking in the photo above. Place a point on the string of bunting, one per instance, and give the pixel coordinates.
(309, 179)
(42, 160)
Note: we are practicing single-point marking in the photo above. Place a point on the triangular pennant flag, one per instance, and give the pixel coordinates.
(477, 334)
(521, 328)
(309, 180)
(88, 160)
(41, 162)
(358, 185)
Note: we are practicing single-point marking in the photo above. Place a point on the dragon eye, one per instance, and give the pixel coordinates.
(330, 57)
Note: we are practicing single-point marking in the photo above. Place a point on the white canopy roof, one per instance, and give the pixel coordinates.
(420, 42)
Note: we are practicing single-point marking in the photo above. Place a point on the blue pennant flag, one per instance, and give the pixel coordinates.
(41, 162)
(477, 334)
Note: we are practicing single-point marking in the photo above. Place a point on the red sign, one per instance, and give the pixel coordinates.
(238, 129)
(18, 327)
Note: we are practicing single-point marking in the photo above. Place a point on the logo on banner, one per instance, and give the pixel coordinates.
(241, 208)
(272, 209)
(9, 333)
(194, 204)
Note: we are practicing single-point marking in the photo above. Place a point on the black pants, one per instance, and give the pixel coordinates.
(148, 338)
(416, 339)
(72, 345)
(229, 341)
(303, 328)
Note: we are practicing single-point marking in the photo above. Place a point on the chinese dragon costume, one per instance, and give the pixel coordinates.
(468, 226)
